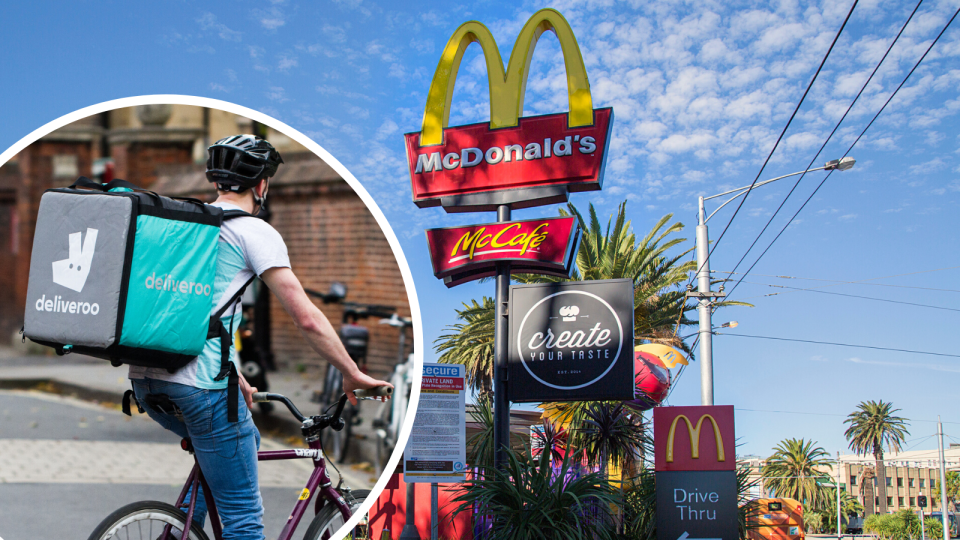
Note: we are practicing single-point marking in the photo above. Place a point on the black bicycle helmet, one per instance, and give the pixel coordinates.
(239, 162)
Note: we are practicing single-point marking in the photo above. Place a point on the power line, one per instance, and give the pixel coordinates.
(904, 81)
(837, 282)
(825, 142)
(850, 296)
(843, 345)
(782, 133)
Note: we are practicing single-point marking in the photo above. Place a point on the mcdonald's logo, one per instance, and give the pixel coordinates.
(510, 160)
(694, 437)
(689, 452)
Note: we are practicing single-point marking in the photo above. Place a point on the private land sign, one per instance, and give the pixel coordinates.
(437, 448)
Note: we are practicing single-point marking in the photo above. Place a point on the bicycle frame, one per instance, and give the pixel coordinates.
(319, 478)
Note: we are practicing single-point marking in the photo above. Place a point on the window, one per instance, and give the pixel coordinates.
(933, 483)
(889, 501)
(889, 482)
(913, 501)
(899, 501)
(853, 480)
(911, 481)
(899, 482)
(876, 501)
(921, 483)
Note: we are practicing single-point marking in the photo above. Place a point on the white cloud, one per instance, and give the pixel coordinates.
(208, 21)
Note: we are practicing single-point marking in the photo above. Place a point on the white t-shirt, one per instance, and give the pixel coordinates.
(248, 247)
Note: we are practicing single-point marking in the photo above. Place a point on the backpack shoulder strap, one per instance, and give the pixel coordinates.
(216, 329)
(230, 214)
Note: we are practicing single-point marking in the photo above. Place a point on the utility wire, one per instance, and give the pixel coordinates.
(850, 296)
(843, 345)
(837, 282)
(904, 81)
(822, 146)
(782, 133)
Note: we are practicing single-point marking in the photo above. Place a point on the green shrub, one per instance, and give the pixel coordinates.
(530, 500)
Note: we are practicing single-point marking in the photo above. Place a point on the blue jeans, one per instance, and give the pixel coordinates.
(226, 451)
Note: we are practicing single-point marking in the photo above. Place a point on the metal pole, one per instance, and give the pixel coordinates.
(839, 508)
(410, 531)
(434, 503)
(703, 309)
(501, 405)
(943, 484)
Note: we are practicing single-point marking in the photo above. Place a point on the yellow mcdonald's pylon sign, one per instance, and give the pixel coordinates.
(539, 159)
(694, 437)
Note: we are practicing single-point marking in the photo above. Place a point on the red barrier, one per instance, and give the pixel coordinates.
(389, 512)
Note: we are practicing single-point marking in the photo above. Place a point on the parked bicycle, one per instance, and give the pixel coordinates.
(390, 416)
(333, 506)
(356, 339)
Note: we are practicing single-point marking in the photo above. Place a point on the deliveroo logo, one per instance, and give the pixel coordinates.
(72, 272)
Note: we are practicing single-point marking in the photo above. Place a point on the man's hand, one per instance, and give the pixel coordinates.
(361, 381)
(248, 391)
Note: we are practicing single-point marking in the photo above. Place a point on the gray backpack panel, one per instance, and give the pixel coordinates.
(76, 268)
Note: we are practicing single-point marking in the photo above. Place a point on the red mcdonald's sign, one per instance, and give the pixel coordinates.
(694, 438)
(461, 254)
(523, 162)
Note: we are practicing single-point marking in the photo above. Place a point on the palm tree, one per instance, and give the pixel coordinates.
(795, 470)
(471, 343)
(873, 426)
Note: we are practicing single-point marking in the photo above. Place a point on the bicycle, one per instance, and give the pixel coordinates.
(356, 339)
(390, 416)
(332, 509)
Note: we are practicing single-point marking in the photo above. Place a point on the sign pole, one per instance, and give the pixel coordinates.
(501, 405)
(434, 503)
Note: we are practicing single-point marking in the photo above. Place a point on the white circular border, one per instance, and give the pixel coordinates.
(542, 300)
(307, 142)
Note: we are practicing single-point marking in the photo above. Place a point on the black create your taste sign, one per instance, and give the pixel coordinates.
(571, 341)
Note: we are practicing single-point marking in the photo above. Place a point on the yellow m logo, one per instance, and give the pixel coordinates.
(506, 88)
(694, 437)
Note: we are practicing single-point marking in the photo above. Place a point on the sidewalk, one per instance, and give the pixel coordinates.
(96, 380)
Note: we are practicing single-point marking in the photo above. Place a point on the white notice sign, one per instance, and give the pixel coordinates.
(437, 448)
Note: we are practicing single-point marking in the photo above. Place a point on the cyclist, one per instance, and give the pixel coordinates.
(191, 402)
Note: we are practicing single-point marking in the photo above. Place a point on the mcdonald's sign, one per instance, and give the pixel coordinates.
(524, 162)
(694, 438)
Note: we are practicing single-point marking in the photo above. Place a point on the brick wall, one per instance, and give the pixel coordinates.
(138, 162)
(331, 236)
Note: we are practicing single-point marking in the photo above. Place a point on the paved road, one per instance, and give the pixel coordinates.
(65, 464)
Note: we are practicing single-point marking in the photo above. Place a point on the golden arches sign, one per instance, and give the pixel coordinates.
(506, 88)
(694, 437)
(670, 356)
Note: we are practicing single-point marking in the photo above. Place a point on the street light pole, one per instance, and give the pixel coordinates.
(704, 295)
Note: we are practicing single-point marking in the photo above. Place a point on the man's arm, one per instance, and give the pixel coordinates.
(316, 329)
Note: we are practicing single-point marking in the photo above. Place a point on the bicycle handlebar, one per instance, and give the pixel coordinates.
(332, 421)
(355, 311)
(397, 321)
(373, 393)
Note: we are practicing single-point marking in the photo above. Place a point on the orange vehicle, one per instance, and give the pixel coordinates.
(774, 519)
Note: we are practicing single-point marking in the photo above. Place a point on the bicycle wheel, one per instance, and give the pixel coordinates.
(145, 520)
(330, 520)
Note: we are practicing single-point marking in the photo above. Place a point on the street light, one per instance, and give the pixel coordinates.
(704, 296)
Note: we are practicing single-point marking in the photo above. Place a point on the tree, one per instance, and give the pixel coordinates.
(471, 343)
(795, 470)
(953, 486)
(849, 504)
(873, 426)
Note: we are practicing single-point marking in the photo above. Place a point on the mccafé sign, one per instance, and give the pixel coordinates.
(538, 245)
(571, 341)
(523, 162)
(694, 438)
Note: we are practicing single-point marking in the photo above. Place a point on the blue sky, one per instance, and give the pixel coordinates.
(700, 90)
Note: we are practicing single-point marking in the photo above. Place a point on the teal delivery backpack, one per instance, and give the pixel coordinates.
(127, 275)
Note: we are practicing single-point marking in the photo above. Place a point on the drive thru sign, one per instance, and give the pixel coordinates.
(695, 463)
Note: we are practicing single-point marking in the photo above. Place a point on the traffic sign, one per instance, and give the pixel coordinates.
(697, 505)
